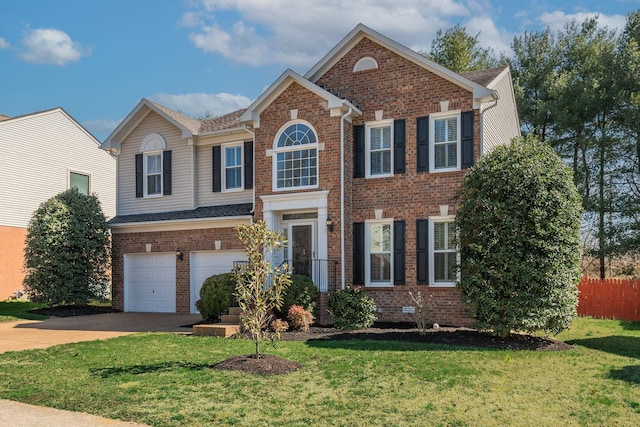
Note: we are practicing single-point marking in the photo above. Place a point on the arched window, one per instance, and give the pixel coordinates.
(296, 157)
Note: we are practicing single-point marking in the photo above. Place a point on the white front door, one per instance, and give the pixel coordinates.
(150, 282)
(302, 249)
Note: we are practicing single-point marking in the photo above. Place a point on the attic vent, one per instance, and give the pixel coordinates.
(366, 63)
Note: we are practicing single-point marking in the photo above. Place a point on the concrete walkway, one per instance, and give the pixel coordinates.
(33, 334)
(30, 334)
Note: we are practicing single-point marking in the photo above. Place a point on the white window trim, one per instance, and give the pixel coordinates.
(145, 183)
(79, 172)
(367, 144)
(367, 254)
(224, 167)
(432, 270)
(432, 140)
(276, 150)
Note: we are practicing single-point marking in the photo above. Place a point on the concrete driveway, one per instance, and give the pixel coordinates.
(30, 334)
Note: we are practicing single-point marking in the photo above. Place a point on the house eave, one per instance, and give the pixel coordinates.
(179, 224)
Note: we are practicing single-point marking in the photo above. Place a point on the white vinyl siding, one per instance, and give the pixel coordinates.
(500, 120)
(181, 194)
(204, 183)
(38, 151)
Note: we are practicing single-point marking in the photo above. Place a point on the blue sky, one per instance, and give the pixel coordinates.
(98, 58)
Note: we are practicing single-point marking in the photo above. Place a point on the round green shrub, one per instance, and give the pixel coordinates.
(216, 296)
(302, 291)
(352, 309)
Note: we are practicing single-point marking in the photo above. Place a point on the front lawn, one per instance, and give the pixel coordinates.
(19, 310)
(168, 380)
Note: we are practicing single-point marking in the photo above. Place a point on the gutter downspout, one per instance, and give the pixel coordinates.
(253, 187)
(342, 281)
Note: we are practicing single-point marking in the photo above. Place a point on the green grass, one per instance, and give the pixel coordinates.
(18, 310)
(168, 380)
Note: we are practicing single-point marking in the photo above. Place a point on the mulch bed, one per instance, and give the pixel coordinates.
(72, 310)
(267, 364)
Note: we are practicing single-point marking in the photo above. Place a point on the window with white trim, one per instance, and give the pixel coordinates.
(379, 251)
(153, 174)
(445, 141)
(232, 161)
(295, 156)
(81, 181)
(378, 146)
(443, 254)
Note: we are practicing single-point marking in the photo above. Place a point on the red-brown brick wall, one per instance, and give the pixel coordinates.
(403, 90)
(168, 241)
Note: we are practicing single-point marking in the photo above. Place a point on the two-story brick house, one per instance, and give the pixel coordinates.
(358, 162)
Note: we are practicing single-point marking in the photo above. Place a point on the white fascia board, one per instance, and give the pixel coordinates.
(361, 31)
(180, 224)
(252, 114)
(499, 77)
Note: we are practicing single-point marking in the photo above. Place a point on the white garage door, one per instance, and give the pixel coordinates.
(207, 263)
(150, 282)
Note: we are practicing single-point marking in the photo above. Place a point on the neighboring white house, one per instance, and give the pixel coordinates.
(43, 154)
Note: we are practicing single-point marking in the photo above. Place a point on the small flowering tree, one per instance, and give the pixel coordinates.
(260, 286)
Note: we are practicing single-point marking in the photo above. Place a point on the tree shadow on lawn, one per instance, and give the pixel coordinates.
(630, 326)
(616, 344)
(147, 369)
(630, 374)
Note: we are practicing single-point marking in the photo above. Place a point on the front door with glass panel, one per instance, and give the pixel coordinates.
(301, 244)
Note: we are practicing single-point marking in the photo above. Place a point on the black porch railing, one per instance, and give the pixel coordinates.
(323, 272)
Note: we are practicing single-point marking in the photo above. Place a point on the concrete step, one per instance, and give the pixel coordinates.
(230, 319)
(235, 310)
(216, 330)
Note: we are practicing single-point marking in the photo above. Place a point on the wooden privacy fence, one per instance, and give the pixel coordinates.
(609, 298)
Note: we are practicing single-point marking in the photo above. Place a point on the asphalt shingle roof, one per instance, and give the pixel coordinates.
(198, 213)
(484, 77)
(227, 121)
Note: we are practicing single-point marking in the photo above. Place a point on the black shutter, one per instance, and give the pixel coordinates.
(422, 143)
(422, 251)
(358, 253)
(358, 151)
(166, 172)
(139, 176)
(248, 165)
(466, 142)
(399, 146)
(217, 169)
(398, 253)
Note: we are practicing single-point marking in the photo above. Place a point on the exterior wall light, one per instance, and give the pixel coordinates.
(329, 224)
(179, 254)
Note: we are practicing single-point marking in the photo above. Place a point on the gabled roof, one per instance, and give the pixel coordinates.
(252, 114)
(221, 123)
(487, 77)
(188, 126)
(6, 120)
(362, 31)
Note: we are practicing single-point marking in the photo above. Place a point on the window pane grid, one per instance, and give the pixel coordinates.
(233, 167)
(380, 150)
(154, 174)
(444, 252)
(297, 168)
(446, 143)
(380, 252)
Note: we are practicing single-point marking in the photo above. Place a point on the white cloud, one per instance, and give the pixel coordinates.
(195, 104)
(4, 44)
(298, 32)
(490, 36)
(51, 46)
(557, 20)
